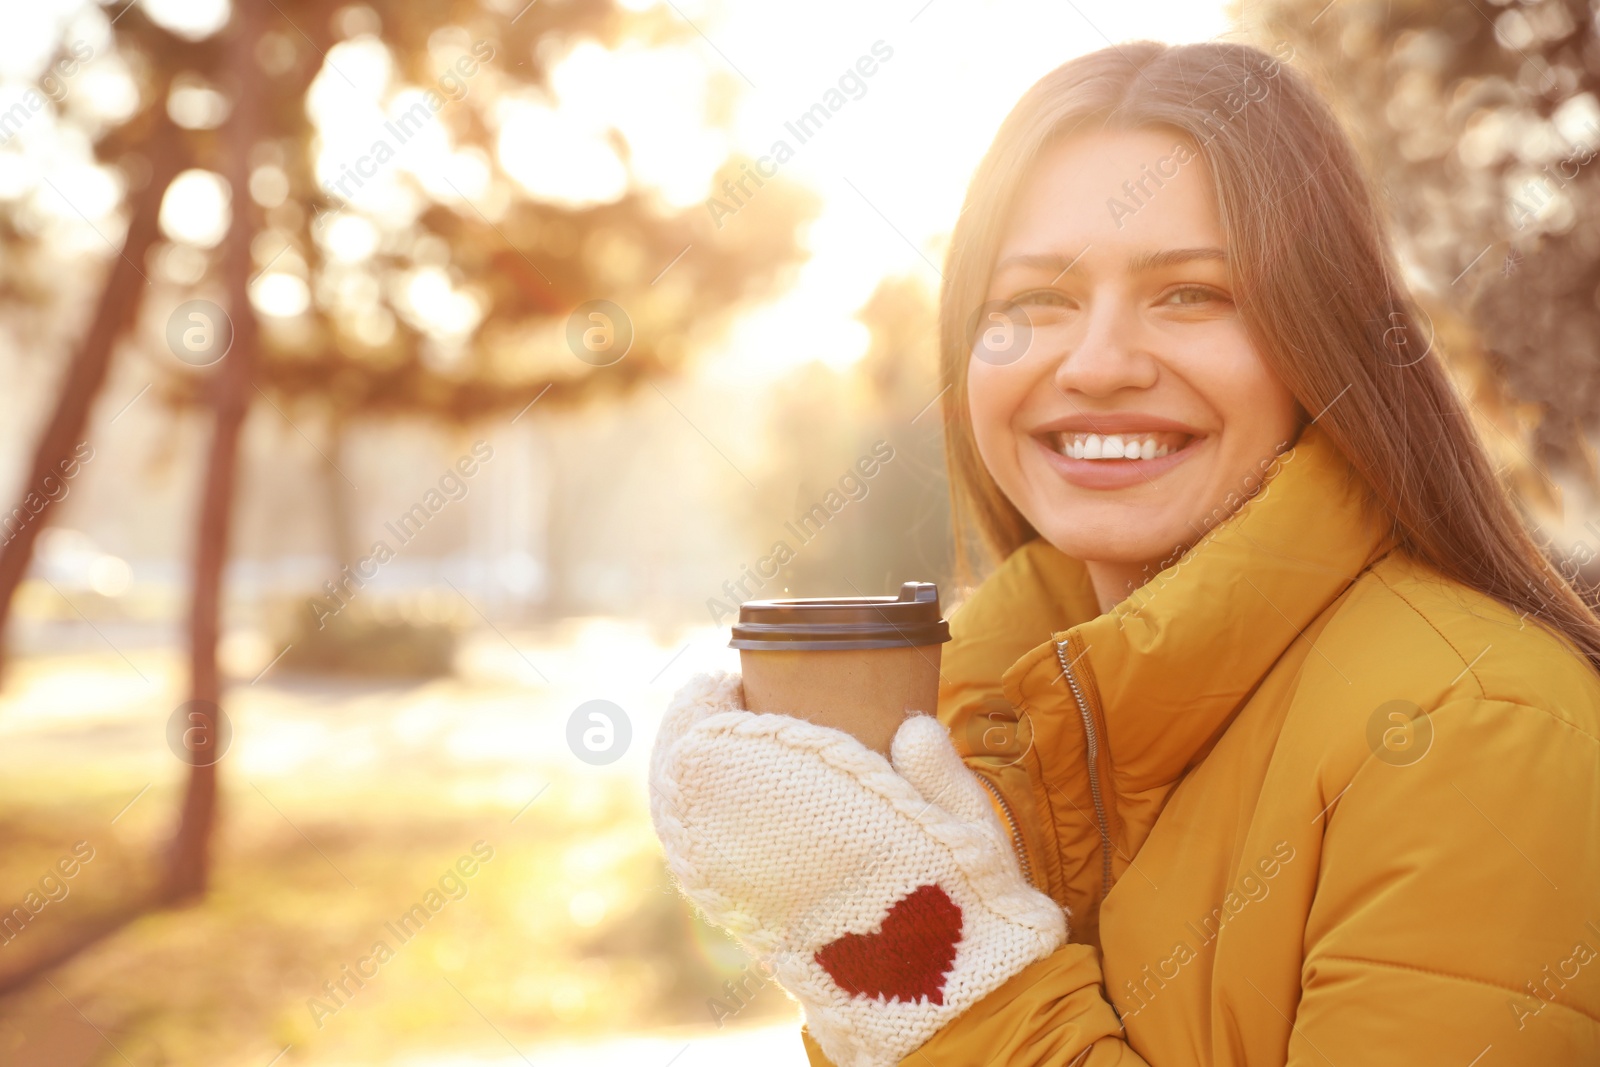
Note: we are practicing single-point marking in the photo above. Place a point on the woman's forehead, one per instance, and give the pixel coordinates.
(1122, 194)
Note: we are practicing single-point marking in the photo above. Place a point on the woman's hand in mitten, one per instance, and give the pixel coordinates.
(887, 897)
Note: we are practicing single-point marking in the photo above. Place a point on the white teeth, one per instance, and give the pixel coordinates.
(1114, 446)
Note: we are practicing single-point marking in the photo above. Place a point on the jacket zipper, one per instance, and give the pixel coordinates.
(1092, 745)
(1011, 822)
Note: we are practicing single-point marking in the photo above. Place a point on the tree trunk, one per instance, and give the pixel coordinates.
(86, 375)
(188, 866)
(340, 503)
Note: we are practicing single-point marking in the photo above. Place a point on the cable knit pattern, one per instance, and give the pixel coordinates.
(886, 896)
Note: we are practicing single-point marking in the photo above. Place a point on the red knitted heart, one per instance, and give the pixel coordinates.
(907, 958)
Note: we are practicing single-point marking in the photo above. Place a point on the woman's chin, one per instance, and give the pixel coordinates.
(1106, 539)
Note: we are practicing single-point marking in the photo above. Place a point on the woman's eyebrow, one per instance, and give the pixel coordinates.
(1041, 261)
(1142, 261)
(1170, 257)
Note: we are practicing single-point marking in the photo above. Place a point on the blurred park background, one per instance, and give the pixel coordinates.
(385, 384)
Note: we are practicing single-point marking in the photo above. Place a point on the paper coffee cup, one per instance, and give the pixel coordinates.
(857, 664)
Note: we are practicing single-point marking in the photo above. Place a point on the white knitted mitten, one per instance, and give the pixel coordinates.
(886, 896)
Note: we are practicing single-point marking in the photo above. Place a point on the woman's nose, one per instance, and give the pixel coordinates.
(1106, 354)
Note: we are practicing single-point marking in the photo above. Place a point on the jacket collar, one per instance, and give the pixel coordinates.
(1167, 668)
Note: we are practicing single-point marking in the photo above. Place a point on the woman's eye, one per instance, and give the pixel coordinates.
(1192, 296)
(1040, 298)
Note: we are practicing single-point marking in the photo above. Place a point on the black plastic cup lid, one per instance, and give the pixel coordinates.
(843, 624)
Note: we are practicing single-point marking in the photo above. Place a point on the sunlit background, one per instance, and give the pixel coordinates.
(394, 294)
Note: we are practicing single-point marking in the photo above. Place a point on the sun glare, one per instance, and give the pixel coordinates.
(891, 161)
(195, 209)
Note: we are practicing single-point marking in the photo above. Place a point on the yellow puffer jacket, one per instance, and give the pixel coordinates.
(1307, 801)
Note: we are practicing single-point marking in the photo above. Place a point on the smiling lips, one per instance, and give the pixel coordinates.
(1131, 457)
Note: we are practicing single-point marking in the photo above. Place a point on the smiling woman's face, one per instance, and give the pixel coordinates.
(1138, 403)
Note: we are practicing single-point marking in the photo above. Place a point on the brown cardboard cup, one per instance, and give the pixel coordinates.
(857, 664)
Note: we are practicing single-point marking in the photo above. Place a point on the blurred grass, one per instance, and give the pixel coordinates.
(572, 931)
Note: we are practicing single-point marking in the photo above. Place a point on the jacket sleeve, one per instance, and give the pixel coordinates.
(1458, 902)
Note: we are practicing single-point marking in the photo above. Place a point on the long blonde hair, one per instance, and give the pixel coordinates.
(1318, 290)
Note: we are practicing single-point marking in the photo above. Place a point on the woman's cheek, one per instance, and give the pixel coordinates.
(1255, 412)
(995, 399)
(991, 409)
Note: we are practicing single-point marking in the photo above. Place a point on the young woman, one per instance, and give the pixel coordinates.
(1273, 696)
